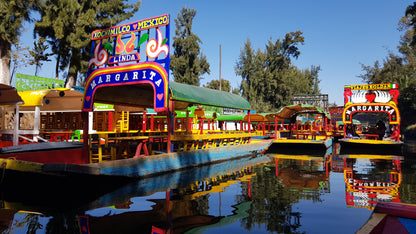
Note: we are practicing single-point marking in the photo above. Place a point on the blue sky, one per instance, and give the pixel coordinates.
(339, 35)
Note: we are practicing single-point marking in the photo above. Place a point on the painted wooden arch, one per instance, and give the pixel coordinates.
(142, 84)
(391, 110)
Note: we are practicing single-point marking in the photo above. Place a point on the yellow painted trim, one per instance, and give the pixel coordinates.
(368, 156)
(297, 157)
(22, 166)
(375, 142)
(210, 136)
(298, 141)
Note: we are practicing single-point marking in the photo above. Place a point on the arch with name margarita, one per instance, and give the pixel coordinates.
(391, 110)
(128, 77)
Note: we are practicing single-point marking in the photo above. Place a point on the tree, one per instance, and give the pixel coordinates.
(251, 68)
(19, 57)
(188, 63)
(68, 25)
(399, 68)
(12, 15)
(269, 80)
(38, 54)
(215, 84)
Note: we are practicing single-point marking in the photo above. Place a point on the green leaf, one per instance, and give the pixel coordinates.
(143, 38)
(108, 47)
(164, 41)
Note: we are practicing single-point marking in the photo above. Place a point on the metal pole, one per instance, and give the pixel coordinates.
(220, 67)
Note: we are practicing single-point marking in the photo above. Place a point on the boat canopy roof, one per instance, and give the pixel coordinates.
(237, 117)
(259, 117)
(9, 96)
(59, 99)
(185, 95)
(288, 112)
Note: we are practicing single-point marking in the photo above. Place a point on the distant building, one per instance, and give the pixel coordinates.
(318, 100)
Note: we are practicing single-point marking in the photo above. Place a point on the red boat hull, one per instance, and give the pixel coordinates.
(62, 152)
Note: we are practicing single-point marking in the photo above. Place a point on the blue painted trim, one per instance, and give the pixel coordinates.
(157, 164)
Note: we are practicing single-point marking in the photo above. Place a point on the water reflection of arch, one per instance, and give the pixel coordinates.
(365, 190)
(303, 172)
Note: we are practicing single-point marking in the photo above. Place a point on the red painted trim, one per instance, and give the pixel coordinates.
(110, 120)
(397, 209)
(74, 156)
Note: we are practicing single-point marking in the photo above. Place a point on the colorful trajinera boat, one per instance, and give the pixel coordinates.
(311, 137)
(371, 98)
(391, 217)
(130, 142)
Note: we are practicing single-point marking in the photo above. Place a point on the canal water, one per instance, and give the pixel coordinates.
(255, 194)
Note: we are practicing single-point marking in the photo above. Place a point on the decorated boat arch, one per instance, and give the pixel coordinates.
(119, 71)
(371, 99)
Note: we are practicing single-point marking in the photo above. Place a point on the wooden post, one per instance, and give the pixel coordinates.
(169, 132)
(190, 124)
(110, 121)
(187, 122)
(275, 127)
(36, 124)
(152, 122)
(16, 125)
(171, 125)
(144, 121)
(249, 121)
(85, 136)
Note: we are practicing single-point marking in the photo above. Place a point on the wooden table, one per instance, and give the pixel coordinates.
(305, 135)
(370, 136)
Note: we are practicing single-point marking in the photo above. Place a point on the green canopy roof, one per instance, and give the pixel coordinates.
(231, 117)
(205, 96)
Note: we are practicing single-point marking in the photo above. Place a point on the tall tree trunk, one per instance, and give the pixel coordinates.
(5, 48)
(74, 66)
(57, 67)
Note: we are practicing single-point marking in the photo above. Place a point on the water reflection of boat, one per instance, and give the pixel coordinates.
(391, 217)
(303, 172)
(40, 201)
(365, 187)
(177, 211)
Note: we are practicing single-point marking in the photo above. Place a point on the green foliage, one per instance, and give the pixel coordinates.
(12, 14)
(68, 25)
(215, 84)
(400, 68)
(39, 54)
(188, 63)
(269, 80)
(19, 57)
